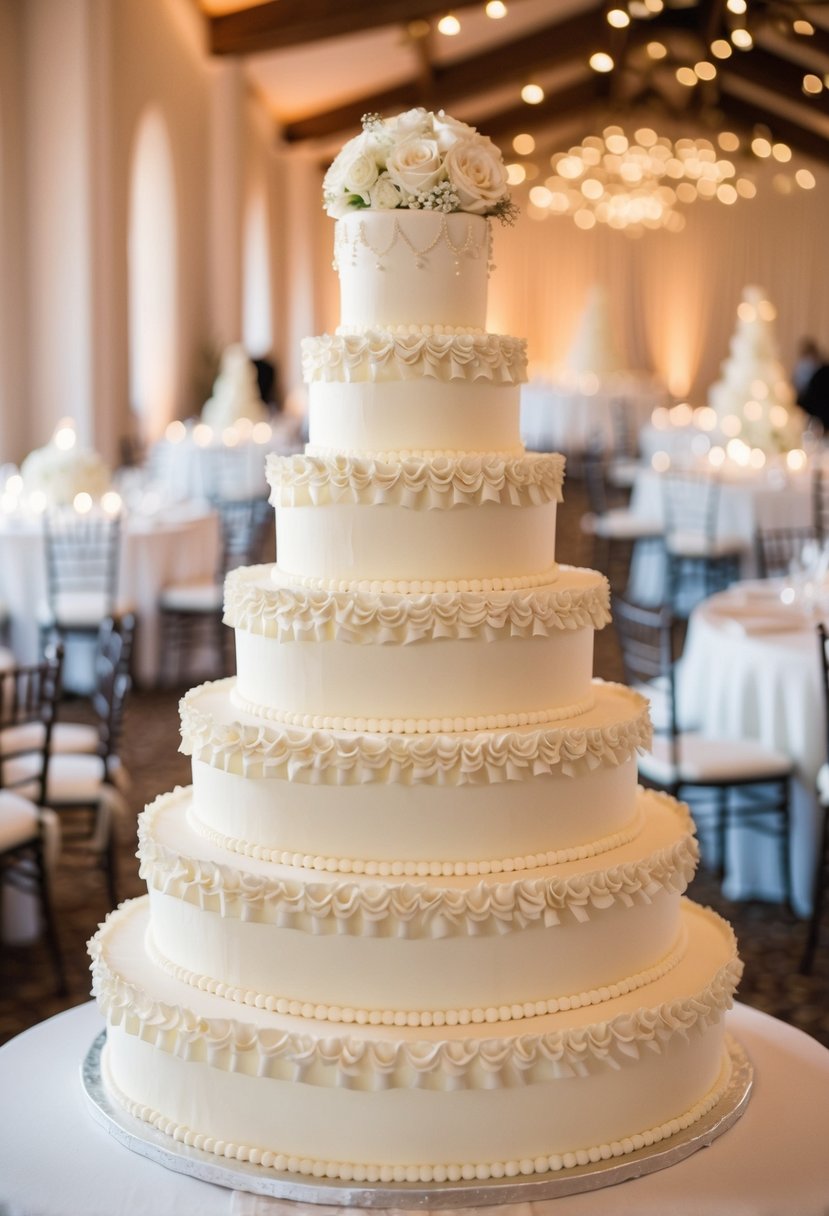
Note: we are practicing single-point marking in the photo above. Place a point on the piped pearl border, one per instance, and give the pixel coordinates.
(412, 726)
(423, 586)
(412, 1017)
(372, 1173)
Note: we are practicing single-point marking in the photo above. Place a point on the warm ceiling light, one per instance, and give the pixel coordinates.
(742, 39)
(449, 25)
(496, 9)
(654, 6)
(523, 144)
(657, 50)
(618, 18)
(805, 178)
(736, 6)
(726, 193)
(812, 84)
(803, 27)
(686, 76)
(728, 141)
(638, 8)
(516, 174)
(533, 94)
(746, 188)
(705, 70)
(760, 146)
(720, 48)
(781, 152)
(540, 196)
(601, 62)
(646, 137)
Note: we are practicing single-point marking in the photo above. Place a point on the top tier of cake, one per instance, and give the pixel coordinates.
(408, 267)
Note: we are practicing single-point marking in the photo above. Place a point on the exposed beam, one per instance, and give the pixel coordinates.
(284, 23)
(545, 49)
(779, 75)
(750, 115)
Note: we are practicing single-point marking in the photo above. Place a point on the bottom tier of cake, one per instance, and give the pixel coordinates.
(428, 1104)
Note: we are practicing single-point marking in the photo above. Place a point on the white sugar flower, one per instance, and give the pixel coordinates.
(476, 170)
(413, 122)
(449, 130)
(360, 174)
(384, 195)
(415, 165)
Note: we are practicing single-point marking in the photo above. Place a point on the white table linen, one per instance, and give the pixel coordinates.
(555, 417)
(173, 545)
(55, 1160)
(186, 469)
(751, 670)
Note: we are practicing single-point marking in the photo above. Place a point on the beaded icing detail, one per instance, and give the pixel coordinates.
(425, 586)
(349, 248)
(415, 353)
(442, 482)
(486, 757)
(257, 603)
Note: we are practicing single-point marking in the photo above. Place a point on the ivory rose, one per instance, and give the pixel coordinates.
(384, 195)
(449, 130)
(360, 174)
(415, 165)
(477, 173)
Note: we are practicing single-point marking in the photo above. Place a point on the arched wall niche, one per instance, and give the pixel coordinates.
(152, 276)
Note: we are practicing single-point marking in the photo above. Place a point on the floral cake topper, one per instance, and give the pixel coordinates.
(420, 161)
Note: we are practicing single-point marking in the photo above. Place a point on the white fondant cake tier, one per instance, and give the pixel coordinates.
(461, 654)
(347, 517)
(446, 945)
(441, 799)
(253, 1080)
(403, 415)
(406, 267)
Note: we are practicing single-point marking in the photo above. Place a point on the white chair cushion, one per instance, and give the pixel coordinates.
(192, 597)
(7, 659)
(80, 609)
(698, 544)
(74, 778)
(19, 820)
(74, 737)
(823, 784)
(702, 759)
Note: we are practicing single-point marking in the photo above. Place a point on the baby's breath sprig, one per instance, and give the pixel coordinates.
(506, 211)
(371, 120)
(442, 197)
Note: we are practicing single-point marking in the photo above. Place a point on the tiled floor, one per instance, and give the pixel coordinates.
(770, 939)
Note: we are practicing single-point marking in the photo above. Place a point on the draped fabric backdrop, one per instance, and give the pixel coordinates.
(672, 298)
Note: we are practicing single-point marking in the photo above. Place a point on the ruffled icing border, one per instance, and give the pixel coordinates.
(339, 1060)
(441, 482)
(414, 353)
(408, 908)
(349, 1171)
(256, 602)
(413, 1017)
(483, 757)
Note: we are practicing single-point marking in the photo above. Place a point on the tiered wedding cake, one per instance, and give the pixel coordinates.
(753, 399)
(594, 354)
(235, 392)
(414, 920)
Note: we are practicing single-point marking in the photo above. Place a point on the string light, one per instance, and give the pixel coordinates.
(812, 85)
(496, 9)
(742, 39)
(657, 50)
(801, 26)
(618, 18)
(736, 6)
(600, 61)
(523, 144)
(449, 25)
(532, 94)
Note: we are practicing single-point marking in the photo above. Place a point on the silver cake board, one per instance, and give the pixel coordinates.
(147, 1141)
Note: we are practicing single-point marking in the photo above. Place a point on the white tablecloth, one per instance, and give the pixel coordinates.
(557, 418)
(173, 546)
(747, 501)
(751, 670)
(187, 470)
(55, 1160)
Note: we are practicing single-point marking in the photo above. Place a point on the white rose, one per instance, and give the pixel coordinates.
(415, 165)
(477, 173)
(413, 122)
(360, 174)
(332, 183)
(384, 195)
(449, 130)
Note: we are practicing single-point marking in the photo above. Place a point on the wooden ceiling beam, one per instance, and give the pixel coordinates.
(778, 75)
(283, 23)
(553, 46)
(799, 138)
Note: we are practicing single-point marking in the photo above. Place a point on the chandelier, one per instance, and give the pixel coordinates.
(642, 182)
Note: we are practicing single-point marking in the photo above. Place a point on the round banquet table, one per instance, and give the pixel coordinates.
(176, 544)
(55, 1160)
(750, 669)
(559, 418)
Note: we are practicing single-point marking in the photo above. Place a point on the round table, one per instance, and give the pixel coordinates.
(55, 1160)
(175, 544)
(563, 418)
(750, 669)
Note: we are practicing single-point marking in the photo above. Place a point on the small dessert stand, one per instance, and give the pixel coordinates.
(243, 1176)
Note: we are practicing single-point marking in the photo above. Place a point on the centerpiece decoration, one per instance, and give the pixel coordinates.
(55, 474)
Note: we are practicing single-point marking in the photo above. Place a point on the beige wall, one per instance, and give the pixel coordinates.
(13, 397)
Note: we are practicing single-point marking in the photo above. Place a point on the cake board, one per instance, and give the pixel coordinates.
(156, 1146)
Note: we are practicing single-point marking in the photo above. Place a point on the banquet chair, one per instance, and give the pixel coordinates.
(683, 762)
(82, 557)
(779, 548)
(614, 529)
(624, 458)
(191, 613)
(821, 876)
(699, 561)
(28, 699)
